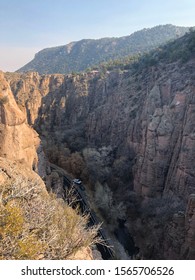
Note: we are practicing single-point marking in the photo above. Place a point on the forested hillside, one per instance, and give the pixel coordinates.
(77, 56)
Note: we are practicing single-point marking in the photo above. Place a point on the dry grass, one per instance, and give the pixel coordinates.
(36, 225)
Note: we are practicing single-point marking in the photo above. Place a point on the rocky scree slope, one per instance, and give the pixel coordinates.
(130, 134)
(77, 56)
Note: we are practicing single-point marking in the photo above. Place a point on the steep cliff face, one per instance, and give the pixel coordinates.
(28, 212)
(138, 128)
(18, 140)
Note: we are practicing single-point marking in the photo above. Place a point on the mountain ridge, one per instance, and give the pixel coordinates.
(80, 55)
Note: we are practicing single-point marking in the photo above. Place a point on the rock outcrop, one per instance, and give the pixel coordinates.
(18, 140)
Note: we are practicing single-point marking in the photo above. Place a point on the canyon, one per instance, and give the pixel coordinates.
(128, 134)
(34, 222)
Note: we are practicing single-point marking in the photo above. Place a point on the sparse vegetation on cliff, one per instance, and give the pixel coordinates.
(36, 225)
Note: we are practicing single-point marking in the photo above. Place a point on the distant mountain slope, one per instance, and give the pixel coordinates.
(77, 56)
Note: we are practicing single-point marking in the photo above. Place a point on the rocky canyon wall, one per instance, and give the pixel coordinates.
(137, 128)
(28, 212)
(18, 140)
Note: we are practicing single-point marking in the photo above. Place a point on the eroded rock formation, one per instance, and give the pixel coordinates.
(18, 140)
(25, 201)
(142, 121)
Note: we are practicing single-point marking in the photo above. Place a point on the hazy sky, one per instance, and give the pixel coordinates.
(27, 26)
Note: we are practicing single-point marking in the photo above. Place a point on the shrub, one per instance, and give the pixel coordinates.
(162, 209)
(36, 225)
(4, 100)
(98, 163)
